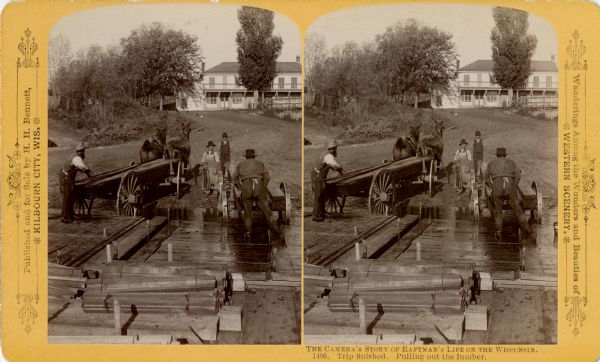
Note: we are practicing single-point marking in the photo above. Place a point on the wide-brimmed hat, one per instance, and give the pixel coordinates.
(224, 135)
(500, 151)
(477, 133)
(463, 142)
(332, 144)
(250, 153)
(210, 143)
(80, 147)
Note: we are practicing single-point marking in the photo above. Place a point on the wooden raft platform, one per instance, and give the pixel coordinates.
(79, 242)
(334, 238)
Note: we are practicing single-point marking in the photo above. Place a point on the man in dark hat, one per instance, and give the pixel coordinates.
(318, 176)
(225, 154)
(504, 177)
(252, 177)
(66, 178)
(477, 154)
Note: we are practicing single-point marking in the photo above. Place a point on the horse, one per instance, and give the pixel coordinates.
(407, 147)
(433, 145)
(155, 148)
(180, 147)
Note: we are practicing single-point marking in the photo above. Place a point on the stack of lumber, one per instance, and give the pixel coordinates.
(317, 280)
(277, 281)
(399, 292)
(149, 288)
(67, 283)
(525, 281)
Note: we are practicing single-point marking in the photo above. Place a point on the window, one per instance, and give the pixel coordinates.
(466, 80)
(479, 79)
(184, 103)
(294, 82)
(211, 82)
(281, 83)
(465, 97)
(548, 81)
(236, 79)
(536, 81)
(492, 97)
(237, 98)
(211, 99)
(224, 81)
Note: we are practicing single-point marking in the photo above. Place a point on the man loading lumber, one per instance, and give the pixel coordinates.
(318, 176)
(66, 178)
(252, 177)
(504, 177)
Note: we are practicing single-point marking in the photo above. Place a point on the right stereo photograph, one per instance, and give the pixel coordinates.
(430, 176)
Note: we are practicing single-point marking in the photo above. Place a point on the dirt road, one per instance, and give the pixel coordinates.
(532, 143)
(277, 143)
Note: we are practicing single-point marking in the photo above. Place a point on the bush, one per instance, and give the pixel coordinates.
(375, 118)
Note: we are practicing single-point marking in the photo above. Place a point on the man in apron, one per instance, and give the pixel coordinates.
(504, 177)
(462, 162)
(210, 160)
(318, 176)
(252, 177)
(66, 178)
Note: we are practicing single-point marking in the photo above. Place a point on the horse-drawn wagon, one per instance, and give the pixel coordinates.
(133, 187)
(230, 201)
(379, 184)
(530, 199)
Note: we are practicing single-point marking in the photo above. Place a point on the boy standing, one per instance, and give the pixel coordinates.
(477, 154)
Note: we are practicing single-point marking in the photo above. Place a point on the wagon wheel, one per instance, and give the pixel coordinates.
(431, 171)
(334, 204)
(381, 193)
(222, 201)
(82, 205)
(536, 214)
(286, 214)
(475, 201)
(130, 195)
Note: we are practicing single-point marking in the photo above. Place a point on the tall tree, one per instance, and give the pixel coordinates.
(512, 48)
(257, 49)
(161, 61)
(59, 55)
(315, 53)
(415, 59)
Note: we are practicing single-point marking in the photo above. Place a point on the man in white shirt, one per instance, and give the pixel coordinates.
(319, 175)
(66, 178)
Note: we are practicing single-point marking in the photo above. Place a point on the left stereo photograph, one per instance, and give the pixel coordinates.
(174, 176)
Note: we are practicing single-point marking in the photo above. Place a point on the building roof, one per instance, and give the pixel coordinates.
(486, 65)
(232, 68)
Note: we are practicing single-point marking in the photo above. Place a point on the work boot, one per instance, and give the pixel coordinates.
(498, 236)
(247, 237)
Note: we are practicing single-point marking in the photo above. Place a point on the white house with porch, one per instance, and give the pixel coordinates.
(221, 88)
(475, 86)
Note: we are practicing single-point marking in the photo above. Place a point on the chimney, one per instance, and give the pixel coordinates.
(553, 58)
(457, 64)
(203, 64)
(297, 59)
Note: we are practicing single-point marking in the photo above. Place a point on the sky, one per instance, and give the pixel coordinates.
(215, 25)
(470, 26)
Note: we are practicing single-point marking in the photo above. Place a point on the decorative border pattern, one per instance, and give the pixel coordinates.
(579, 184)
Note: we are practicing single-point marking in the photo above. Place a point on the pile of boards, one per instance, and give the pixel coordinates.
(442, 293)
(65, 283)
(155, 288)
(387, 287)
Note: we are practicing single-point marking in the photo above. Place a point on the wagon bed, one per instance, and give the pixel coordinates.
(378, 183)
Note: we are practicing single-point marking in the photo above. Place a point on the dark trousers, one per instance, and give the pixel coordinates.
(318, 187)
(66, 189)
(254, 191)
(504, 188)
